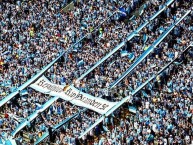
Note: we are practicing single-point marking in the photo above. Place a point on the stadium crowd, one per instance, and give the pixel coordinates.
(162, 125)
(33, 34)
(56, 79)
(163, 115)
(179, 41)
(98, 81)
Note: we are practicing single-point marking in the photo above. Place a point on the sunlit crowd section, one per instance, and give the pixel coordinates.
(34, 33)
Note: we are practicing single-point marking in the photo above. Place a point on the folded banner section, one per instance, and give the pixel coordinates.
(72, 94)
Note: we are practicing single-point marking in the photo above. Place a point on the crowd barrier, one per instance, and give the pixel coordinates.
(127, 39)
(26, 84)
(132, 94)
(68, 7)
(45, 135)
(148, 51)
(34, 115)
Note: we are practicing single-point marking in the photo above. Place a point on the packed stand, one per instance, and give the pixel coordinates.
(56, 79)
(67, 134)
(33, 34)
(52, 116)
(43, 47)
(27, 31)
(94, 47)
(39, 44)
(81, 129)
(164, 116)
(180, 36)
(24, 104)
(98, 81)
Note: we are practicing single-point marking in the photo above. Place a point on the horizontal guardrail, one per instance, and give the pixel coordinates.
(46, 134)
(33, 116)
(29, 82)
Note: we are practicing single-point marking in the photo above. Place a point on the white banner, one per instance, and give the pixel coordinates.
(73, 95)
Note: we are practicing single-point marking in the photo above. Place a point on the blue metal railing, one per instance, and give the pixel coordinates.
(33, 116)
(46, 134)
